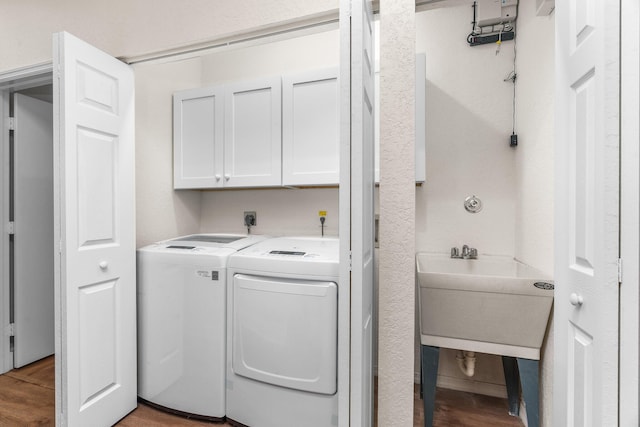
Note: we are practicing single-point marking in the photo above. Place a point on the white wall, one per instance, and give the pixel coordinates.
(161, 213)
(292, 55)
(534, 163)
(468, 123)
(279, 211)
(534, 156)
(128, 28)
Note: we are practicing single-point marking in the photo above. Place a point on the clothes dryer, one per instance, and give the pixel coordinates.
(282, 333)
(181, 322)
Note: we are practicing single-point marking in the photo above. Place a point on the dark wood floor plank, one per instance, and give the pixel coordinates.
(23, 403)
(27, 398)
(40, 373)
(146, 416)
(457, 408)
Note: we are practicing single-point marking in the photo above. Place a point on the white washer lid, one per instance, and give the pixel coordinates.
(317, 256)
(209, 243)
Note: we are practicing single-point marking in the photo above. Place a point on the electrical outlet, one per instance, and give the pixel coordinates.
(250, 218)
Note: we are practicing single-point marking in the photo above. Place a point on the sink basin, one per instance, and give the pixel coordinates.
(488, 305)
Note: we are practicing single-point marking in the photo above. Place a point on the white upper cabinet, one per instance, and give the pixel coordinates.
(198, 138)
(271, 132)
(253, 134)
(310, 128)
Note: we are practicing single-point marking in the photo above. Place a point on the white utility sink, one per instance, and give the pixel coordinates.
(488, 305)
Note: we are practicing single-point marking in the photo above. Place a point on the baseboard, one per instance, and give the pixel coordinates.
(523, 414)
(470, 386)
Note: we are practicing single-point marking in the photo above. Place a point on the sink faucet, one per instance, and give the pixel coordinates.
(467, 252)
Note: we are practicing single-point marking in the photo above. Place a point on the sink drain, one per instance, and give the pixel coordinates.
(544, 285)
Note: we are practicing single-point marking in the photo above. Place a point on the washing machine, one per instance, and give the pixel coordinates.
(282, 333)
(181, 322)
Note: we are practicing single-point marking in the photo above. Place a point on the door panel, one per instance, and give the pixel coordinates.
(33, 239)
(94, 219)
(253, 134)
(310, 137)
(356, 197)
(198, 135)
(303, 358)
(587, 215)
(97, 164)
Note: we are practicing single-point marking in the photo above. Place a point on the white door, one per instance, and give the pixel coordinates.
(33, 238)
(94, 224)
(253, 133)
(356, 196)
(587, 218)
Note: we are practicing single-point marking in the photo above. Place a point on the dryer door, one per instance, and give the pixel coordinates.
(285, 332)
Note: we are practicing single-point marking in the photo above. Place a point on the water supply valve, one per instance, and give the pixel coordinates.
(472, 204)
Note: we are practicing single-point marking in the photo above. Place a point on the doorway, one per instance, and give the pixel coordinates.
(27, 304)
(26, 197)
(31, 254)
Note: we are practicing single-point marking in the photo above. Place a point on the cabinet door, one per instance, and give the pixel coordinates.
(310, 128)
(198, 138)
(253, 135)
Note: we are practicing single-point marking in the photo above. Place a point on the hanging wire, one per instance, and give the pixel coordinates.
(513, 75)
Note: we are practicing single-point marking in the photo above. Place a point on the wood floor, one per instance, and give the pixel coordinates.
(27, 399)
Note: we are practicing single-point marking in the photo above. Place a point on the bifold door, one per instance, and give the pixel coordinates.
(95, 233)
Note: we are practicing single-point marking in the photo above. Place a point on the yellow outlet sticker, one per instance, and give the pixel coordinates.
(322, 213)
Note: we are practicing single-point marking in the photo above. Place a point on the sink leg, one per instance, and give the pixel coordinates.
(529, 378)
(512, 381)
(429, 368)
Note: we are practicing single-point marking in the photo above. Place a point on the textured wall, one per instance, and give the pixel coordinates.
(125, 28)
(397, 213)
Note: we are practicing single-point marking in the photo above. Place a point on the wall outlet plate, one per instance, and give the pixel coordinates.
(250, 218)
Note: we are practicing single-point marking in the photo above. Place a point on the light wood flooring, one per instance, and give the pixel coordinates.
(27, 399)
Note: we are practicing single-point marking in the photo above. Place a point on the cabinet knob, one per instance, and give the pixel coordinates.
(218, 177)
(576, 299)
(227, 177)
(103, 265)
